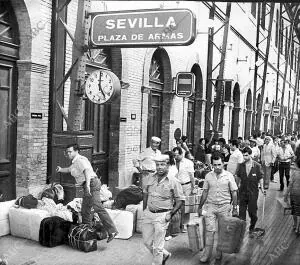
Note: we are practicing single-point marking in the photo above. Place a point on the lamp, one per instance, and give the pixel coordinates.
(242, 60)
(259, 63)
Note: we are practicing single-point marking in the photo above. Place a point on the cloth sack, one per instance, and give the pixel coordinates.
(105, 194)
(83, 237)
(231, 234)
(130, 195)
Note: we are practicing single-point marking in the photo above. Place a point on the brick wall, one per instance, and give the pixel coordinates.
(34, 20)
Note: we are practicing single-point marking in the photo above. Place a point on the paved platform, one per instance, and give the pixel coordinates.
(279, 246)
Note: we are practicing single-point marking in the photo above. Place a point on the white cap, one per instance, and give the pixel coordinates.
(161, 158)
(156, 139)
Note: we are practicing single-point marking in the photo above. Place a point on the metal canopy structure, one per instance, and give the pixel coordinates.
(293, 10)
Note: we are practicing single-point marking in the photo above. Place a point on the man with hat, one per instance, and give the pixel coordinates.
(161, 193)
(145, 163)
(255, 150)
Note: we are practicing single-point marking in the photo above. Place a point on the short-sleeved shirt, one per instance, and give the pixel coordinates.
(235, 158)
(186, 167)
(146, 159)
(219, 188)
(162, 195)
(79, 165)
(284, 153)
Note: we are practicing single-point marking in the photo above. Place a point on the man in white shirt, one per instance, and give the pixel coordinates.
(297, 142)
(235, 158)
(285, 155)
(145, 161)
(268, 157)
(186, 178)
(255, 150)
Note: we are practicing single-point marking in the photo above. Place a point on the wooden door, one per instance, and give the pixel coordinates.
(8, 121)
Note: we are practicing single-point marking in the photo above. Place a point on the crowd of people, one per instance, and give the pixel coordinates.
(233, 174)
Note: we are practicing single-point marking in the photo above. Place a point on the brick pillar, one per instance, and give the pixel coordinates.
(166, 120)
(145, 102)
(31, 159)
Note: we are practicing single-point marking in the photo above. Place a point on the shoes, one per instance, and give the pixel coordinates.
(166, 258)
(111, 237)
(167, 238)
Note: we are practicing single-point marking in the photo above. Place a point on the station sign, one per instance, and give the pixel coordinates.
(295, 116)
(276, 111)
(267, 108)
(185, 84)
(154, 27)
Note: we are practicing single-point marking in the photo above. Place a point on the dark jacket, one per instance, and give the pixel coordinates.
(249, 184)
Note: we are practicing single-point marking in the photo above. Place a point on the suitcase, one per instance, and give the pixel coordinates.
(123, 221)
(4, 221)
(174, 226)
(139, 218)
(54, 231)
(26, 222)
(83, 237)
(191, 203)
(231, 234)
(196, 234)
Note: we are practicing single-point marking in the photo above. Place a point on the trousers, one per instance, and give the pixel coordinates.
(154, 231)
(284, 170)
(267, 175)
(248, 201)
(94, 201)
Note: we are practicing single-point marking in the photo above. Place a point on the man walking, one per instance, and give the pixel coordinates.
(186, 178)
(285, 155)
(236, 157)
(162, 192)
(249, 174)
(145, 163)
(82, 170)
(268, 157)
(219, 186)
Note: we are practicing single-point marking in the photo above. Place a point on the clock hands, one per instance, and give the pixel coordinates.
(100, 88)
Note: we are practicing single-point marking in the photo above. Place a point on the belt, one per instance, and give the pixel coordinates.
(185, 183)
(284, 162)
(160, 211)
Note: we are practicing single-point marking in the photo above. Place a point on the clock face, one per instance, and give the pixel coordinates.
(100, 86)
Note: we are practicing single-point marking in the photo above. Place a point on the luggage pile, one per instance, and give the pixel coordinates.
(35, 219)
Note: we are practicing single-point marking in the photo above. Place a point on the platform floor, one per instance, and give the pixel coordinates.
(279, 246)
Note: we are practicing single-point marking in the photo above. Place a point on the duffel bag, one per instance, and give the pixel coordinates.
(231, 234)
(83, 237)
(130, 195)
(27, 201)
(54, 231)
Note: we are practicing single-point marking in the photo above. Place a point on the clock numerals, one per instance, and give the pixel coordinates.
(100, 86)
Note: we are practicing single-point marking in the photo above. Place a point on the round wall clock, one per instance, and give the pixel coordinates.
(102, 86)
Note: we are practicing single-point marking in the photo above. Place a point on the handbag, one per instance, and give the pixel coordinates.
(83, 237)
(27, 201)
